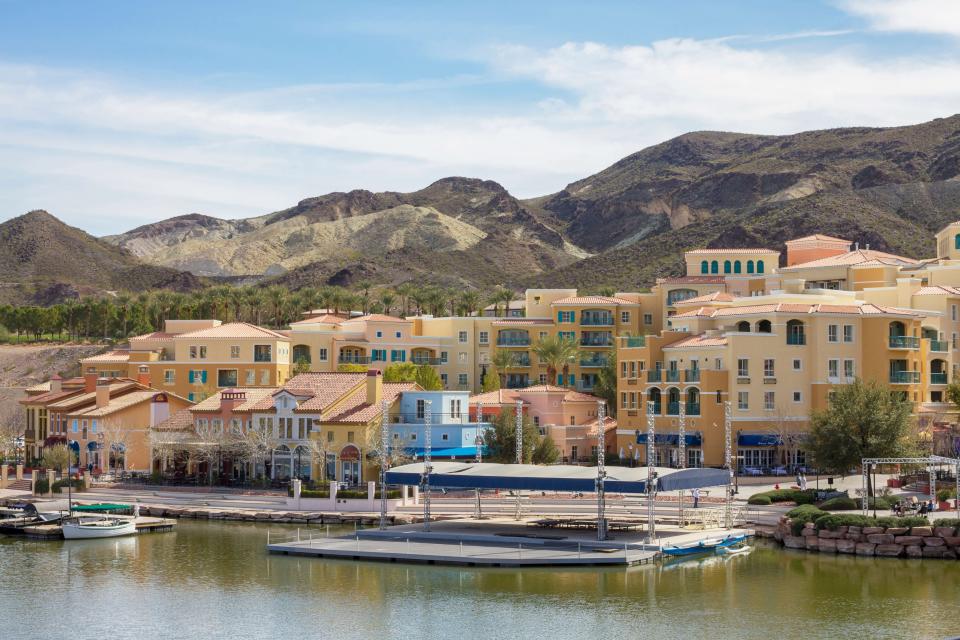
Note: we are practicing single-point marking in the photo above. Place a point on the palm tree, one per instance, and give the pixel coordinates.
(501, 294)
(364, 286)
(387, 299)
(470, 301)
(405, 290)
(276, 296)
(123, 307)
(557, 354)
(502, 360)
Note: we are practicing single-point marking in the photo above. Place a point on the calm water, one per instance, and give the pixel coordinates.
(214, 580)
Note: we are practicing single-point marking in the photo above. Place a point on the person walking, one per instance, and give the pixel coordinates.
(803, 482)
(696, 497)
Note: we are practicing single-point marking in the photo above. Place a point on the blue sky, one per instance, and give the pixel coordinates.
(113, 114)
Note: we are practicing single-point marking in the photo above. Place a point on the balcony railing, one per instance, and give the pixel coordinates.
(632, 342)
(938, 377)
(692, 375)
(673, 408)
(904, 377)
(673, 375)
(939, 345)
(693, 408)
(350, 359)
(654, 375)
(521, 362)
(796, 339)
(596, 322)
(513, 342)
(593, 362)
(421, 360)
(904, 342)
(590, 341)
(263, 357)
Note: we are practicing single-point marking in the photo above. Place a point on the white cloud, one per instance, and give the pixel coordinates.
(918, 16)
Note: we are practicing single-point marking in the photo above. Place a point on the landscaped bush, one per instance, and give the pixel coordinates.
(840, 504)
(785, 495)
(76, 483)
(947, 522)
(759, 498)
(833, 521)
(42, 486)
(803, 514)
(943, 495)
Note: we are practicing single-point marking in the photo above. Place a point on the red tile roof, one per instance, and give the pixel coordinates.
(939, 290)
(699, 340)
(818, 236)
(852, 258)
(358, 411)
(716, 296)
(599, 300)
(744, 250)
(376, 317)
(234, 330)
(693, 280)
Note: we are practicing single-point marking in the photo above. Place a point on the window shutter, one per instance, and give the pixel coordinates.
(573, 316)
(203, 376)
(190, 376)
(559, 316)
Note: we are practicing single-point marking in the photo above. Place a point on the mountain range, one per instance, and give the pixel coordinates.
(623, 227)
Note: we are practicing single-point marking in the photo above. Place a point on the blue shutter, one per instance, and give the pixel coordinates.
(571, 379)
(560, 379)
(190, 376)
(559, 316)
(203, 376)
(573, 316)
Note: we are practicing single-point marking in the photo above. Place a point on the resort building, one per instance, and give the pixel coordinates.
(453, 433)
(196, 358)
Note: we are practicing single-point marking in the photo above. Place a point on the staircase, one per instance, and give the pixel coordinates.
(20, 485)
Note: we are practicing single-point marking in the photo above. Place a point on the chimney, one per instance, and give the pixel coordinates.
(90, 380)
(374, 386)
(906, 288)
(856, 246)
(103, 392)
(56, 383)
(143, 375)
(230, 398)
(159, 409)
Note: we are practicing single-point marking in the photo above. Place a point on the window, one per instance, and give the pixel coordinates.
(718, 363)
(323, 354)
(769, 400)
(251, 378)
(378, 355)
(421, 409)
(648, 318)
(462, 379)
(444, 436)
(396, 436)
(567, 335)
(398, 355)
(197, 376)
(462, 357)
(832, 334)
(262, 353)
(265, 377)
(953, 312)
(719, 397)
(484, 337)
(226, 377)
(769, 368)
(797, 364)
(379, 334)
(848, 333)
(398, 334)
(443, 357)
(726, 266)
(704, 267)
(543, 378)
(536, 421)
(623, 369)
(455, 409)
(75, 425)
(93, 426)
(413, 436)
(848, 369)
(743, 368)
(833, 368)
(797, 396)
(743, 400)
(566, 316)
(169, 376)
(462, 337)
(795, 333)
(330, 436)
(235, 351)
(624, 317)
(193, 353)
(443, 379)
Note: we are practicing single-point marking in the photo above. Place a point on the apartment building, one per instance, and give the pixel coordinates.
(196, 358)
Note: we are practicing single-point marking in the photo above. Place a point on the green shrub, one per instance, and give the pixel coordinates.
(759, 498)
(42, 486)
(832, 521)
(840, 504)
(944, 495)
(76, 483)
(801, 515)
(947, 522)
(786, 495)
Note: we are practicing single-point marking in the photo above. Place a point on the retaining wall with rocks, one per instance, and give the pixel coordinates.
(887, 542)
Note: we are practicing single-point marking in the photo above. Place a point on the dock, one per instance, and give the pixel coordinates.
(144, 524)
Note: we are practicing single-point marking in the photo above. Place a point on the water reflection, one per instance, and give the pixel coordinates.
(214, 580)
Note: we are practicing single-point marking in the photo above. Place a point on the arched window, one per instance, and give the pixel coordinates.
(704, 267)
(764, 326)
(795, 332)
(743, 326)
(759, 266)
(749, 266)
(693, 402)
(673, 401)
(301, 353)
(714, 267)
(736, 267)
(679, 295)
(654, 397)
(726, 266)
(897, 329)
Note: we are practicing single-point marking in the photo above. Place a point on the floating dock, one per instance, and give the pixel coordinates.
(144, 524)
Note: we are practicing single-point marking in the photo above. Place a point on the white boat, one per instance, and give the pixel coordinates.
(734, 551)
(83, 528)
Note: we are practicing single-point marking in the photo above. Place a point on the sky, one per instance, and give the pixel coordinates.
(116, 114)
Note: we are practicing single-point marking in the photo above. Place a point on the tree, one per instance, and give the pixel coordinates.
(502, 361)
(557, 354)
(115, 436)
(428, 378)
(349, 367)
(606, 385)
(953, 393)
(56, 457)
(501, 438)
(863, 420)
(491, 380)
(400, 372)
(301, 366)
(546, 451)
(256, 445)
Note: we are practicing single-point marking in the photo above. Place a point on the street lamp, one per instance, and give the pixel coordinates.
(18, 444)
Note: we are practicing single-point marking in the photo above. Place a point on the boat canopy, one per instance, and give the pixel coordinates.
(487, 475)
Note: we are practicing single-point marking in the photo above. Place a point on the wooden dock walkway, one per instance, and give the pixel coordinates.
(144, 524)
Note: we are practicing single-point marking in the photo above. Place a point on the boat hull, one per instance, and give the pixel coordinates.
(703, 546)
(73, 531)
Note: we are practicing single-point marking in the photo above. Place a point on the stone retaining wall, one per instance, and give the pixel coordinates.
(286, 517)
(891, 542)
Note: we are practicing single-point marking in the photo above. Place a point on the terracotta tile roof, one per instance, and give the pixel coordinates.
(940, 290)
(319, 390)
(234, 330)
(852, 258)
(40, 387)
(49, 397)
(702, 312)
(180, 421)
(608, 424)
(118, 404)
(797, 308)
(110, 356)
(376, 317)
(692, 280)
(699, 340)
(327, 318)
(156, 335)
(818, 236)
(79, 400)
(745, 310)
(501, 321)
(358, 410)
(510, 396)
(253, 396)
(744, 250)
(601, 300)
(500, 396)
(716, 296)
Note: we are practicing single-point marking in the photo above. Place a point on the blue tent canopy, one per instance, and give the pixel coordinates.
(759, 440)
(458, 452)
(464, 475)
(692, 439)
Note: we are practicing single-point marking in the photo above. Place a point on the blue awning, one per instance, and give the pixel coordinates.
(457, 452)
(692, 439)
(759, 440)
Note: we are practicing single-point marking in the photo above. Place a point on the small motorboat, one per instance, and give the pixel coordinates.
(734, 551)
(84, 528)
(703, 546)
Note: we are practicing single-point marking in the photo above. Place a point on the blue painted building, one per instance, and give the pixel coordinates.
(453, 435)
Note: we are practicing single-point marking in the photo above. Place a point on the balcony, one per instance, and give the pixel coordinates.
(522, 361)
(938, 377)
(904, 377)
(346, 358)
(596, 341)
(691, 375)
(426, 360)
(796, 339)
(600, 321)
(654, 375)
(632, 342)
(693, 408)
(940, 346)
(593, 362)
(904, 342)
(672, 375)
(673, 408)
(513, 341)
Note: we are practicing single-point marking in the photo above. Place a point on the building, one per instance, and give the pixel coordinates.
(196, 358)
(453, 431)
